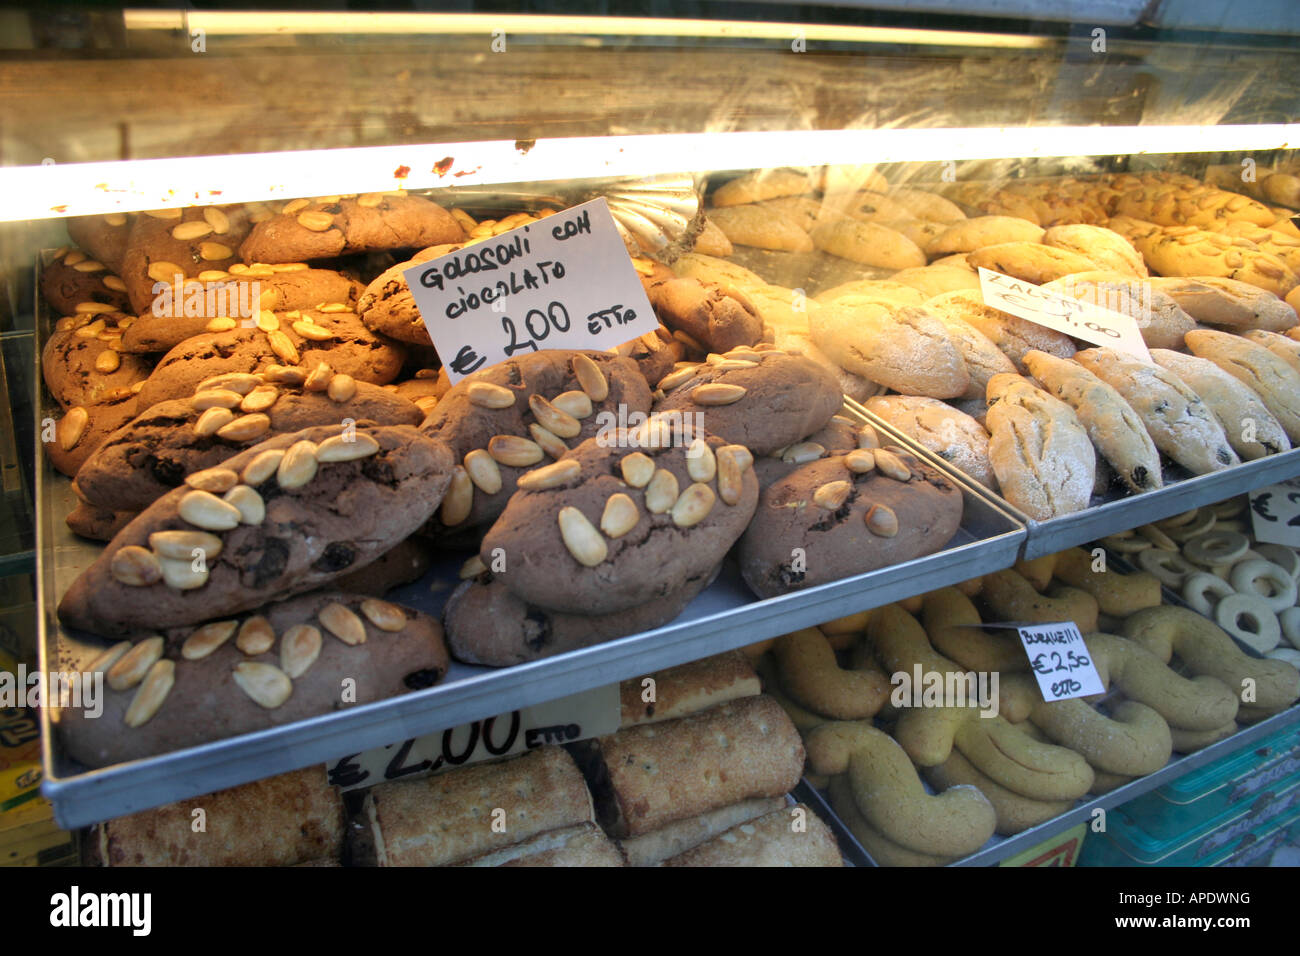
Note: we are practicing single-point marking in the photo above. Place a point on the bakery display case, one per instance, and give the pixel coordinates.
(938, 296)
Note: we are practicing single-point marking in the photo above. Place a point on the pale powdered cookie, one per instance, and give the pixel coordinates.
(983, 358)
(1115, 429)
(1228, 303)
(868, 243)
(1180, 424)
(1251, 428)
(1284, 347)
(952, 435)
(865, 290)
(1159, 318)
(762, 184)
(712, 241)
(1108, 249)
(762, 227)
(905, 348)
(1269, 377)
(1030, 261)
(936, 280)
(1013, 335)
(1040, 453)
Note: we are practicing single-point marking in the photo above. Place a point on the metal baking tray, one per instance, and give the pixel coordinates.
(725, 616)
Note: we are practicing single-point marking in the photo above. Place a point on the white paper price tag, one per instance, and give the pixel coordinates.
(1060, 660)
(1083, 320)
(577, 717)
(1275, 514)
(564, 282)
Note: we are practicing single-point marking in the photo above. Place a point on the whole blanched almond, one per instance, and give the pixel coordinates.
(385, 616)
(620, 515)
(342, 387)
(194, 229)
(283, 347)
(252, 509)
(701, 463)
(295, 206)
(693, 505)
(339, 448)
(550, 476)
(637, 469)
(552, 419)
(298, 466)
(313, 332)
(256, 636)
(581, 538)
(299, 648)
(459, 499)
(285, 375)
(107, 659)
(673, 379)
(832, 495)
(245, 427)
(343, 622)
(162, 271)
(717, 393)
(216, 480)
(180, 545)
(890, 465)
(205, 510)
(867, 437)
(214, 251)
(263, 466)
(266, 684)
(134, 664)
(212, 420)
(472, 568)
(733, 462)
(548, 441)
(590, 378)
(489, 395)
(221, 323)
(108, 362)
(241, 382)
(71, 427)
(483, 471)
(148, 700)
(259, 399)
(217, 219)
(882, 521)
(206, 639)
(319, 378)
(574, 403)
(803, 452)
(135, 566)
(315, 220)
(216, 398)
(182, 575)
(661, 493)
(860, 461)
(514, 451)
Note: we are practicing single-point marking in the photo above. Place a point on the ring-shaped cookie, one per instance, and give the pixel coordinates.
(1228, 509)
(1158, 537)
(1179, 520)
(1250, 620)
(1232, 524)
(1216, 547)
(1265, 579)
(1168, 566)
(1284, 557)
(1127, 544)
(1202, 590)
(1203, 522)
(1290, 621)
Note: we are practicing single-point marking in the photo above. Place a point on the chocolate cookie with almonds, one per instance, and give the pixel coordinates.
(487, 624)
(165, 243)
(330, 226)
(623, 519)
(762, 399)
(83, 363)
(226, 300)
(507, 419)
(285, 516)
(104, 237)
(83, 428)
(716, 318)
(247, 672)
(301, 338)
(847, 515)
(656, 354)
(387, 306)
(155, 451)
(839, 436)
(96, 524)
(73, 279)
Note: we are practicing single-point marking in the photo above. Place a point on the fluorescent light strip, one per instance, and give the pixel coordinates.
(42, 192)
(470, 24)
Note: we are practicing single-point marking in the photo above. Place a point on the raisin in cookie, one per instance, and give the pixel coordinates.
(285, 516)
(847, 515)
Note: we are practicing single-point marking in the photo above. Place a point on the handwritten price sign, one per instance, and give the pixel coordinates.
(577, 717)
(1275, 514)
(1074, 317)
(565, 282)
(1060, 661)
